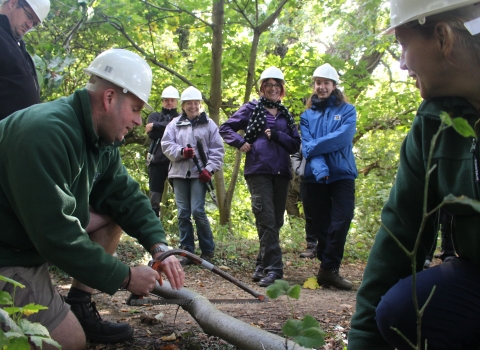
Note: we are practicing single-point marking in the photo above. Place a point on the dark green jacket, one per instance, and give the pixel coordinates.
(52, 167)
(455, 173)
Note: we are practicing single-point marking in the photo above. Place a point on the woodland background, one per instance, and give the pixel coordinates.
(221, 47)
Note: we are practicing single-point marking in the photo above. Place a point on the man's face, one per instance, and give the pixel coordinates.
(22, 18)
(169, 103)
(122, 115)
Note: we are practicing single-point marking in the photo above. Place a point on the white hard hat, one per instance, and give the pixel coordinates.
(40, 7)
(191, 94)
(272, 72)
(326, 71)
(404, 11)
(170, 92)
(126, 70)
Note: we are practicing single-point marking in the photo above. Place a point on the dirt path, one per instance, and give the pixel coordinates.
(331, 307)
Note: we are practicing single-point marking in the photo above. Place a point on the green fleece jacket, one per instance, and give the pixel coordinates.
(455, 173)
(52, 167)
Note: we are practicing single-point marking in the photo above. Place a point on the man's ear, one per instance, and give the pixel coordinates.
(444, 35)
(108, 97)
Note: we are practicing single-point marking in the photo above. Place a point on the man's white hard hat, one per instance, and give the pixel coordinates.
(126, 70)
(40, 7)
(404, 11)
(170, 92)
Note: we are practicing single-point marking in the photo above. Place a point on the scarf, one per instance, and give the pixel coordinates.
(258, 121)
(318, 103)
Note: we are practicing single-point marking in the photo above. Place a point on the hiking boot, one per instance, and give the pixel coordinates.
(258, 274)
(95, 329)
(269, 279)
(207, 256)
(311, 251)
(333, 278)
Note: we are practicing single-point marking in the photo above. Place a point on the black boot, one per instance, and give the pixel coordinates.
(95, 329)
(258, 274)
(333, 278)
(311, 251)
(269, 279)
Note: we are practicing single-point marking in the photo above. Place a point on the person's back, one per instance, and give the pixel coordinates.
(19, 86)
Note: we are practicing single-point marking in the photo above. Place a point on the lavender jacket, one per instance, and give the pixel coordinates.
(266, 157)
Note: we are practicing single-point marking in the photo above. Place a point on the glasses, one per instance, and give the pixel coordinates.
(270, 85)
(29, 16)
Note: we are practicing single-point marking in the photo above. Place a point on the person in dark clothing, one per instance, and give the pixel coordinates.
(271, 136)
(19, 87)
(157, 162)
(311, 231)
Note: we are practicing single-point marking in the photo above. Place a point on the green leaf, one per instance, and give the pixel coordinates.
(280, 287)
(445, 117)
(18, 342)
(5, 318)
(310, 338)
(30, 309)
(39, 340)
(30, 328)
(292, 328)
(463, 128)
(294, 292)
(309, 321)
(9, 280)
(5, 298)
(3, 339)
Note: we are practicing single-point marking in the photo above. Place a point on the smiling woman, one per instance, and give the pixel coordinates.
(271, 136)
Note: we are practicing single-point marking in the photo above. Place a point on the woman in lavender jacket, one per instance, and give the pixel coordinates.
(271, 136)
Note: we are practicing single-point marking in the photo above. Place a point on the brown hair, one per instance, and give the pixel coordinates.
(278, 81)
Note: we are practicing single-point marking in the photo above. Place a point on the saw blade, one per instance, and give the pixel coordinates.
(150, 301)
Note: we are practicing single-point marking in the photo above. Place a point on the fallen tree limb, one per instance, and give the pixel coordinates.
(214, 322)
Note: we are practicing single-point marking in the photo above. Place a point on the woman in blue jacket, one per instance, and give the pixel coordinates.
(271, 136)
(328, 127)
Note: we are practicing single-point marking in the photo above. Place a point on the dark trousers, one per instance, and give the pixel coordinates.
(269, 200)
(333, 205)
(157, 174)
(451, 319)
(311, 232)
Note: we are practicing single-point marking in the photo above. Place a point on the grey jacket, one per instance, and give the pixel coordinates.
(181, 132)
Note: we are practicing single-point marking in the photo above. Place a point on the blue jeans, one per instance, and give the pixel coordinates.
(269, 199)
(451, 319)
(190, 198)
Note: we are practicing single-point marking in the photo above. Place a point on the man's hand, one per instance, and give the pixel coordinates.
(172, 268)
(245, 147)
(148, 127)
(142, 280)
(188, 153)
(205, 176)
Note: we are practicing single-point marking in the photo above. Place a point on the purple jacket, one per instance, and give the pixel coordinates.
(266, 157)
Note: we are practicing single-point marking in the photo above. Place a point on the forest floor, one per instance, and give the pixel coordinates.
(170, 327)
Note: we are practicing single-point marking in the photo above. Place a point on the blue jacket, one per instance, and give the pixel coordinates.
(327, 142)
(266, 157)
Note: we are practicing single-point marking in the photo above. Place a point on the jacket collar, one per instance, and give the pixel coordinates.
(184, 121)
(5, 24)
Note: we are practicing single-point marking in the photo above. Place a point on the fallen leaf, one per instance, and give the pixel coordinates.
(311, 283)
(170, 337)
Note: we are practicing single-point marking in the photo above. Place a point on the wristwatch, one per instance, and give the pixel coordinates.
(162, 247)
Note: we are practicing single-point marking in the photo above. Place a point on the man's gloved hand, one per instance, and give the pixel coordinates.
(205, 176)
(188, 153)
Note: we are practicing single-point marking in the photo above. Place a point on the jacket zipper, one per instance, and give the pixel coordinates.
(473, 150)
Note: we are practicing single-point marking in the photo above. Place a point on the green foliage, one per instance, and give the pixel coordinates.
(21, 331)
(306, 332)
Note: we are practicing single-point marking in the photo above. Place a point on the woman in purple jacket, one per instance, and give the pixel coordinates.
(271, 136)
